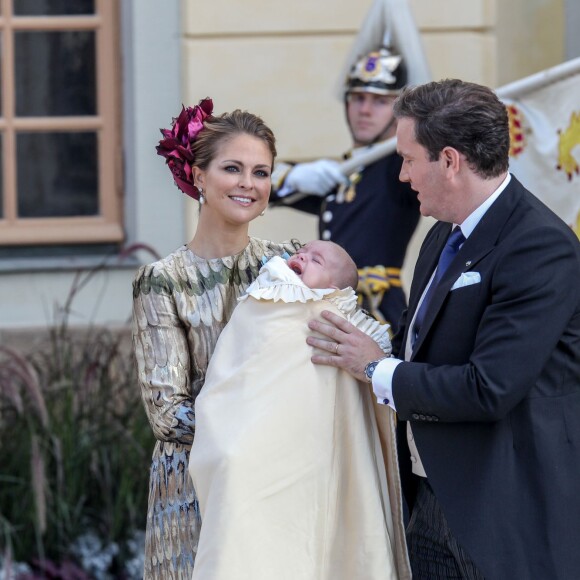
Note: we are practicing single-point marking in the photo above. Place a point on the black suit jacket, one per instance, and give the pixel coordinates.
(493, 389)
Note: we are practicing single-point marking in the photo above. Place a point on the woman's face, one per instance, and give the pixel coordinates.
(236, 184)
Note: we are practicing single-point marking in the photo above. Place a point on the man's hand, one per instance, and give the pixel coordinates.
(316, 178)
(345, 345)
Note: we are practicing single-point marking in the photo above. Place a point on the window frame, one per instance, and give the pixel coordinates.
(106, 227)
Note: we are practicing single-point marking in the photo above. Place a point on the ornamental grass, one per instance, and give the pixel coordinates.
(75, 451)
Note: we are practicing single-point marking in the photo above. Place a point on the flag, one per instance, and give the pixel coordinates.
(389, 23)
(544, 118)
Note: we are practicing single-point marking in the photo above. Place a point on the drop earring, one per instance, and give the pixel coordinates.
(201, 196)
(263, 212)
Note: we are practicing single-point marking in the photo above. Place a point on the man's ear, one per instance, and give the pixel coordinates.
(450, 158)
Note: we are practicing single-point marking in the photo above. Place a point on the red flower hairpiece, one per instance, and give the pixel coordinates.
(177, 142)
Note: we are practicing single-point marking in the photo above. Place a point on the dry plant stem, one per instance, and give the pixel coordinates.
(75, 442)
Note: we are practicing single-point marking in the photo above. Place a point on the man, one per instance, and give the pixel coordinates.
(371, 214)
(487, 380)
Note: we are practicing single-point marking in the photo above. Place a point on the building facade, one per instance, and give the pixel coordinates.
(85, 93)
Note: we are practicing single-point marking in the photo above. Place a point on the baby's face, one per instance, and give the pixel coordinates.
(316, 264)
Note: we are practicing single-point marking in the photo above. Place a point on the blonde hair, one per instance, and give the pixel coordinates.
(216, 130)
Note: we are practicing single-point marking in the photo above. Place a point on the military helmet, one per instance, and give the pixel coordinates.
(381, 72)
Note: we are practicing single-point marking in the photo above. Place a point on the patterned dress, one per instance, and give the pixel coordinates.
(180, 305)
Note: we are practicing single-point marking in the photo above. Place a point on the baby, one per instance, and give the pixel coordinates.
(295, 478)
(324, 265)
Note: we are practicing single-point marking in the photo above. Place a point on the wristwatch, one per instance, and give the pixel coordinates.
(370, 368)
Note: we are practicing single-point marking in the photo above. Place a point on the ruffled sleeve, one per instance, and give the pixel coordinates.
(346, 301)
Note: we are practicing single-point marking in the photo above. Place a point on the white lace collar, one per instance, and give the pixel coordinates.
(277, 282)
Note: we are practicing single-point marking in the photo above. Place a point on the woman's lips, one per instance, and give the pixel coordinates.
(241, 199)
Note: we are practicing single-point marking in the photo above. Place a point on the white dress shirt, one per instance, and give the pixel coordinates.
(383, 375)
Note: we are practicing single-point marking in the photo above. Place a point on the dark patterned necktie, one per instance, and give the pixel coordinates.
(449, 252)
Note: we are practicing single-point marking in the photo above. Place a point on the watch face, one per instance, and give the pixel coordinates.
(371, 369)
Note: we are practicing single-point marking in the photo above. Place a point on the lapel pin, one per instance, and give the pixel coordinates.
(468, 263)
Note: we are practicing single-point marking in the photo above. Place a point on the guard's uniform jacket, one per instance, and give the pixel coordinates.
(373, 219)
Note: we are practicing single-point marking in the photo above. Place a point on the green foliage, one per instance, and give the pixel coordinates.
(75, 444)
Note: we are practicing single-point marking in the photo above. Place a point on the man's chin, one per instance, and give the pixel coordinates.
(364, 139)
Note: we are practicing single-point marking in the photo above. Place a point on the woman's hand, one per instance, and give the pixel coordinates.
(343, 345)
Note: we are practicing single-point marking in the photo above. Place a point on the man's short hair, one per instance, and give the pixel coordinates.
(466, 116)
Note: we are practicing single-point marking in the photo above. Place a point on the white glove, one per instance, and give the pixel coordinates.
(316, 178)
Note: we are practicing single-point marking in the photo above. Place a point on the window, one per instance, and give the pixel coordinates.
(60, 148)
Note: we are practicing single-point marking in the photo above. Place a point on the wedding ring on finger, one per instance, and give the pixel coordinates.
(336, 345)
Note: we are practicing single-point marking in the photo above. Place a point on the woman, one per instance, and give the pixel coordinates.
(182, 303)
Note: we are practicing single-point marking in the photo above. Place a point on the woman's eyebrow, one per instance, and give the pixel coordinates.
(238, 162)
